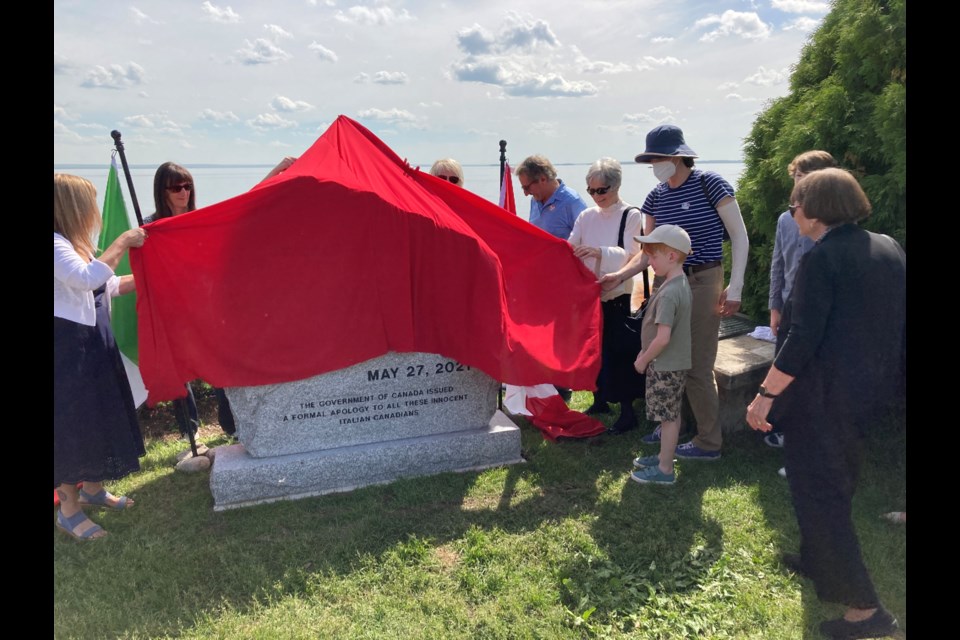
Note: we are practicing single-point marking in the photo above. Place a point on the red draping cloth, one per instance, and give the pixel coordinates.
(350, 254)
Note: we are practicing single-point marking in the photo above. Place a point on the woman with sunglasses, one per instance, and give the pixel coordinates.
(448, 169)
(174, 194)
(596, 239)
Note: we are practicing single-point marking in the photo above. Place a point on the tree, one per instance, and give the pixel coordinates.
(847, 96)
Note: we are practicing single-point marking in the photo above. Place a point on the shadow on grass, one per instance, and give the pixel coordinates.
(171, 563)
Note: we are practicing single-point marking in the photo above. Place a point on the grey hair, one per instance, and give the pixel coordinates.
(536, 166)
(608, 169)
(449, 165)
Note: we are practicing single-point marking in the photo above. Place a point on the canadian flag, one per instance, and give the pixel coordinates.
(549, 413)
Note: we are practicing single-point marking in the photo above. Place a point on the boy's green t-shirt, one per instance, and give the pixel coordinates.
(670, 305)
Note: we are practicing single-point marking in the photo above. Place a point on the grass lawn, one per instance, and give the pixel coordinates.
(564, 546)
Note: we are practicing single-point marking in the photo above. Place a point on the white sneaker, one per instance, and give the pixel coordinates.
(782, 472)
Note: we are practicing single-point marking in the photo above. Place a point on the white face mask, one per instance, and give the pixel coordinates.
(664, 170)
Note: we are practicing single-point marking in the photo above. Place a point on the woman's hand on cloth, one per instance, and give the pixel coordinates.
(133, 237)
(583, 252)
(757, 413)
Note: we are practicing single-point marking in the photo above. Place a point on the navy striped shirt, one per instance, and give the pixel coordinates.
(687, 207)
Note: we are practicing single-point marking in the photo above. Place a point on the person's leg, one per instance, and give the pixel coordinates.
(69, 518)
(823, 462)
(669, 434)
(90, 494)
(701, 386)
(224, 413)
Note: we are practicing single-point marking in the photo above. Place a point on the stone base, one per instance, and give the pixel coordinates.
(741, 365)
(240, 480)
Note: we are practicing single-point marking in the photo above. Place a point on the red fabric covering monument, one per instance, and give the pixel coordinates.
(347, 255)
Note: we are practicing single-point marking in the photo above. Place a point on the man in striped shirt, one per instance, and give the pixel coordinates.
(703, 204)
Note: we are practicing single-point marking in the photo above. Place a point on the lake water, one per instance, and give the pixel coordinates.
(215, 183)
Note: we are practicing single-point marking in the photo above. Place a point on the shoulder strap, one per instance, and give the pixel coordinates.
(703, 185)
(623, 224)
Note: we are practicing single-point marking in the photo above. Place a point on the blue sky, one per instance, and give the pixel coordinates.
(249, 82)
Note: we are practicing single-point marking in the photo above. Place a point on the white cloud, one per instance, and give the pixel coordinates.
(322, 52)
(277, 31)
(649, 62)
(159, 122)
(373, 15)
(139, 17)
(393, 116)
(390, 77)
(517, 81)
(282, 103)
(61, 133)
(803, 23)
(516, 33)
(219, 117)
(727, 86)
(766, 77)
(800, 6)
(268, 121)
(660, 39)
(362, 77)
(59, 112)
(745, 24)
(637, 117)
(139, 121)
(524, 58)
(431, 104)
(475, 40)
(600, 66)
(736, 97)
(114, 76)
(261, 51)
(60, 63)
(225, 15)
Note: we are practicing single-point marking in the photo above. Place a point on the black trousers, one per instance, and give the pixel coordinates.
(617, 381)
(823, 454)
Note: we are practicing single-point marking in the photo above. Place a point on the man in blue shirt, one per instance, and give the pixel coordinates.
(554, 206)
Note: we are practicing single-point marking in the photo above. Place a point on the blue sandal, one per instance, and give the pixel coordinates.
(100, 500)
(69, 526)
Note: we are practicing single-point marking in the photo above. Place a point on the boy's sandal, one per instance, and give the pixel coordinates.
(69, 526)
(101, 499)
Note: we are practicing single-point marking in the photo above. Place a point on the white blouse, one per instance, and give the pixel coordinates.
(74, 282)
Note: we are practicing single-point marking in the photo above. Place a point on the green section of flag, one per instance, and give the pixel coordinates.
(123, 315)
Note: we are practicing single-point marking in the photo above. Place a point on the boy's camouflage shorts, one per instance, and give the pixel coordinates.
(664, 394)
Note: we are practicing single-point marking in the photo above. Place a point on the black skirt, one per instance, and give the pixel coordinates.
(96, 435)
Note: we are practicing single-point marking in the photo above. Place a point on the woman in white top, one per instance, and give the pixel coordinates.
(96, 435)
(596, 240)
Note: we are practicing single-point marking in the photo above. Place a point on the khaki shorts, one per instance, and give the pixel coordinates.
(664, 394)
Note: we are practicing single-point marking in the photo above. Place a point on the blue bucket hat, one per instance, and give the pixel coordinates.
(665, 141)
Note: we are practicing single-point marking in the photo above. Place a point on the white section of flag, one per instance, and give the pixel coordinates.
(136, 382)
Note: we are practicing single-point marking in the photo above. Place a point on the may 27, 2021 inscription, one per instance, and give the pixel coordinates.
(395, 396)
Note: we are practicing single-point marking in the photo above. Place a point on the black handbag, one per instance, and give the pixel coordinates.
(630, 334)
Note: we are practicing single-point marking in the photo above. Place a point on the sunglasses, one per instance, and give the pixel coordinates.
(526, 187)
(452, 179)
(599, 192)
(792, 208)
(177, 188)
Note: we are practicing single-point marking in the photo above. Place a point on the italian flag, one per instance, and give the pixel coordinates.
(123, 309)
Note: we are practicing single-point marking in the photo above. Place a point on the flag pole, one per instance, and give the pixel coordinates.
(503, 158)
(180, 405)
(503, 162)
(126, 172)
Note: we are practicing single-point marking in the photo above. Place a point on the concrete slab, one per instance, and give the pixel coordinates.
(239, 479)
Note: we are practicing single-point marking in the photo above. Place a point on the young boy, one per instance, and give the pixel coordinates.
(666, 355)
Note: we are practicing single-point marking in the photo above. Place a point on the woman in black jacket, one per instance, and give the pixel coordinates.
(839, 364)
